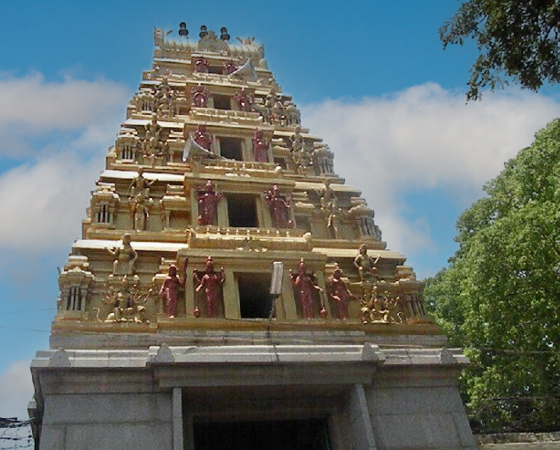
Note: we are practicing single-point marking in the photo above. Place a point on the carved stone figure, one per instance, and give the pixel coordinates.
(140, 207)
(211, 283)
(125, 257)
(306, 288)
(170, 290)
(126, 301)
(139, 185)
(203, 138)
(366, 265)
(199, 96)
(299, 152)
(208, 199)
(334, 222)
(373, 309)
(140, 200)
(296, 140)
(339, 293)
(280, 208)
(327, 196)
(244, 100)
(382, 307)
(260, 147)
(201, 64)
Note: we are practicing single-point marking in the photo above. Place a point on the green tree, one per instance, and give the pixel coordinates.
(500, 296)
(516, 38)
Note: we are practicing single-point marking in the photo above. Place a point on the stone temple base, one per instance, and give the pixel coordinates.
(369, 397)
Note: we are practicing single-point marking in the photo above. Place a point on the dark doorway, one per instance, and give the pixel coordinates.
(231, 148)
(242, 211)
(270, 435)
(222, 102)
(216, 69)
(254, 296)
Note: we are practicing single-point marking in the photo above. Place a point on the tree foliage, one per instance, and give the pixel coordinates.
(500, 296)
(516, 38)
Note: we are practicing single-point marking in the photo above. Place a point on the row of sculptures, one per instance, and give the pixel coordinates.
(272, 109)
(378, 301)
(169, 102)
(301, 154)
(162, 100)
(208, 198)
(204, 140)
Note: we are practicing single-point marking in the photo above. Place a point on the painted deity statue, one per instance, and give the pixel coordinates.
(280, 207)
(244, 100)
(203, 138)
(306, 288)
(208, 199)
(339, 293)
(199, 96)
(211, 283)
(125, 257)
(229, 67)
(260, 147)
(201, 65)
(170, 290)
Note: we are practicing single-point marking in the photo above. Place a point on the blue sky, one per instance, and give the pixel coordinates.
(370, 77)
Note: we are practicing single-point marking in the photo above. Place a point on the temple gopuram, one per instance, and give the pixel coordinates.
(230, 291)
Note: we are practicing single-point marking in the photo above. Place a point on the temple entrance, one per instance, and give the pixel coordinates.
(311, 434)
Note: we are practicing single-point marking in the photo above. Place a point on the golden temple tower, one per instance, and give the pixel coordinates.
(231, 291)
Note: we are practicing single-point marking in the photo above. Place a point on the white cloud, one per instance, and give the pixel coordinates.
(46, 201)
(16, 390)
(32, 106)
(425, 138)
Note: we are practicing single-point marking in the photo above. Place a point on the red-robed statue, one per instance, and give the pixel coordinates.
(170, 290)
(243, 100)
(280, 207)
(199, 96)
(211, 283)
(339, 293)
(260, 147)
(208, 199)
(201, 65)
(203, 138)
(306, 287)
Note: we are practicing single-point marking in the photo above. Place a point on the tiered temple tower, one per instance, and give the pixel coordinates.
(167, 334)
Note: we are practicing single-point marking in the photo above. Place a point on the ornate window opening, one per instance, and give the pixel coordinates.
(231, 148)
(103, 214)
(242, 211)
(74, 300)
(254, 296)
(222, 102)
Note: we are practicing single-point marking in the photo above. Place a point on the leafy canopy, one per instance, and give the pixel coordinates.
(516, 38)
(500, 296)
